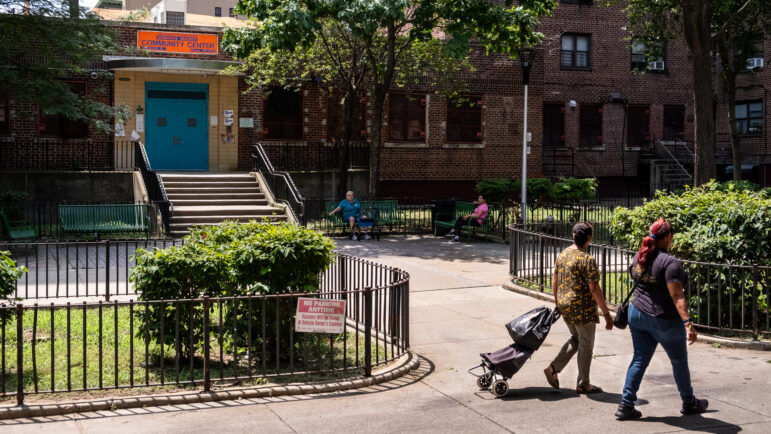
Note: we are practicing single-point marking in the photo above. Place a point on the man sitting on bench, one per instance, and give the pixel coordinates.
(351, 213)
(477, 219)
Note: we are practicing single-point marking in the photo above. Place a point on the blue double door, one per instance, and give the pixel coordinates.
(176, 127)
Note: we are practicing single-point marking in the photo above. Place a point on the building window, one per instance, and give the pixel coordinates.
(464, 120)
(590, 126)
(217, 12)
(282, 115)
(749, 117)
(553, 125)
(637, 126)
(335, 119)
(175, 18)
(674, 120)
(639, 59)
(575, 51)
(231, 13)
(5, 115)
(57, 125)
(406, 117)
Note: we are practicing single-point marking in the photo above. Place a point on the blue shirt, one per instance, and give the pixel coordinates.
(350, 209)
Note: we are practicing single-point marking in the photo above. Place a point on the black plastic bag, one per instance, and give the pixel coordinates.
(531, 329)
(508, 360)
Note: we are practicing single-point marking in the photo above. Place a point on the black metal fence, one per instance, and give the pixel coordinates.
(279, 183)
(154, 185)
(721, 296)
(78, 268)
(316, 155)
(35, 153)
(203, 342)
(43, 216)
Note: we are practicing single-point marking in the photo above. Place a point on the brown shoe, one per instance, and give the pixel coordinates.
(551, 376)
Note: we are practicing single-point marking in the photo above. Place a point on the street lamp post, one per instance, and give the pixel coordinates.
(526, 58)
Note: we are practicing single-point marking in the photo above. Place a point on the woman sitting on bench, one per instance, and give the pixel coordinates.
(477, 219)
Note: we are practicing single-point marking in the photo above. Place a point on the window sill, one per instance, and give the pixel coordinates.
(633, 148)
(571, 68)
(463, 145)
(287, 142)
(405, 145)
(591, 148)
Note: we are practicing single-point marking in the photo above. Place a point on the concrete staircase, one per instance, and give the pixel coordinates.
(209, 199)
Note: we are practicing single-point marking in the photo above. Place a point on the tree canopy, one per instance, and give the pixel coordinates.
(377, 38)
(44, 42)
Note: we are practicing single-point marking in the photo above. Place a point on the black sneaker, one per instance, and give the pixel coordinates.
(695, 407)
(450, 234)
(627, 413)
(456, 239)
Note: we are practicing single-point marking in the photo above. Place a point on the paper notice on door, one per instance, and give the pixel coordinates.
(228, 113)
(227, 121)
(120, 131)
(140, 123)
(213, 121)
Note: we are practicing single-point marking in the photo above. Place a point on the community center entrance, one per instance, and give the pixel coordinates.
(176, 125)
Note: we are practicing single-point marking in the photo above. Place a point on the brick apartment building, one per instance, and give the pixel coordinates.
(589, 113)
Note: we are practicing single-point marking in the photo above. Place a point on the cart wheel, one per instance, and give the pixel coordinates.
(484, 381)
(500, 388)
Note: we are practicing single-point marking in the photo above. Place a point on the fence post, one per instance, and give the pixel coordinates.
(541, 271)
(368, 332)
(604, 271)
(206, 372)
(107, 271)
(755, 283)
(19, 355)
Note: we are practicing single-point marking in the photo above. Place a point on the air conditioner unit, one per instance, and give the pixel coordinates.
(657, 65)
(755, 63)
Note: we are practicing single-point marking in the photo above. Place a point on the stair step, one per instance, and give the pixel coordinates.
(219, 184)
(213, 190)
(215, 196)
(198, 220)
(219, 201)
(184, 211)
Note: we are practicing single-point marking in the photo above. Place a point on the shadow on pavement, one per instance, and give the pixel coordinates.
(425, 369)
(695, 423)
(428, 247)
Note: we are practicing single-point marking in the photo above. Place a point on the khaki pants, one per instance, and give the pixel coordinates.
(581, 341)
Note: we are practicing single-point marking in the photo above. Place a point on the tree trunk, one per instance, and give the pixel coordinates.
(696, 18)
(350, 99)
(74, 9)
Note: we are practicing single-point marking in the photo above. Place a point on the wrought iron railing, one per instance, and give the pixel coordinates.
(279, 183)
(203, 342)
(154, 185)
(721, 296)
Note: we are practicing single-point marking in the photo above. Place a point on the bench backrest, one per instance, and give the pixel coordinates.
(466, 208)
(131, 214)
(387, 209)
(5, 220)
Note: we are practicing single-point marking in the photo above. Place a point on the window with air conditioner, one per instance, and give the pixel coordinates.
(647, 57)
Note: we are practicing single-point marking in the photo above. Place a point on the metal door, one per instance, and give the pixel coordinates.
(177, 137)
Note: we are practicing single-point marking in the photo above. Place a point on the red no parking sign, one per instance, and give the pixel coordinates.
(318, 315)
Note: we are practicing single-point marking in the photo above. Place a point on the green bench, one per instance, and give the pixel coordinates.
(389, 214)
(461, 209)
(18, 229)
(105, 218)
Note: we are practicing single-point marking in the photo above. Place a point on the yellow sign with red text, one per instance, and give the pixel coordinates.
(169, 42)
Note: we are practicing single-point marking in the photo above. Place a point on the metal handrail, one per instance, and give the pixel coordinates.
(673, 158)
(274, 178)
(154, 183)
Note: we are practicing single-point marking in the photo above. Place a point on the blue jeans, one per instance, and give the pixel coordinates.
(647, 332)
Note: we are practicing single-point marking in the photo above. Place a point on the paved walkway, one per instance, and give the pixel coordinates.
(458, 310)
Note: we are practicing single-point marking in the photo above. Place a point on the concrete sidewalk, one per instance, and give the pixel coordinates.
(457, 311)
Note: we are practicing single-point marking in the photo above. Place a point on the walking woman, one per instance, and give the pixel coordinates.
(577, 293)
(658, 314)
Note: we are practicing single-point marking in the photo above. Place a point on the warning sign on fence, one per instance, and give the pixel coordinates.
(317, 315)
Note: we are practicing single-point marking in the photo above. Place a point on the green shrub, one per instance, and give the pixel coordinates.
(9, 273)
(11, 201)
(711, 223)
(737, 185)
(538, 189)
(229, 260)
(575, 189)
(495, 190)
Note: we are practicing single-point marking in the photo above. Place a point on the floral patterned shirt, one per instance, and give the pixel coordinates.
(575, 269)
